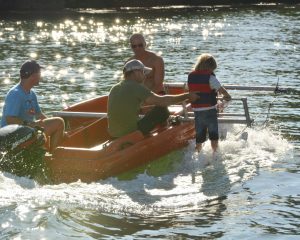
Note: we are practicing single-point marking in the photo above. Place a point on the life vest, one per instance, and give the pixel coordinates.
(198, 81)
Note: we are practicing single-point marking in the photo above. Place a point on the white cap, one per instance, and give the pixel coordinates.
(135, 65)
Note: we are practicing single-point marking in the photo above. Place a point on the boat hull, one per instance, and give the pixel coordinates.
(88, 154)
(91, 164)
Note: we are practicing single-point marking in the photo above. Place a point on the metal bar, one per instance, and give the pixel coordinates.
(230, 87)
(79, 114)
(231, 115)
(232, 121)
(250, 88)
(220, 120)
(224, 114)
(220, 98)
(247, 114)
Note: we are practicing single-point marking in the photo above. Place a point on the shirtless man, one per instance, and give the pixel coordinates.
(154, 80)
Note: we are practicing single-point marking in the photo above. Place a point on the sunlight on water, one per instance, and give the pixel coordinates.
(94, 32)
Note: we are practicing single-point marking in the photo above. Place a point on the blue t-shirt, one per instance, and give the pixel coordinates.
(20, 104)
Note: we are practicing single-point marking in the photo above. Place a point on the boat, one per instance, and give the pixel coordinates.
(89, 154)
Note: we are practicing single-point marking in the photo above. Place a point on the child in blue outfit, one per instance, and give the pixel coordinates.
(203, 81)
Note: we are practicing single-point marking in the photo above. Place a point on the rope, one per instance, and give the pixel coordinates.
(264, 124)
(277, 90)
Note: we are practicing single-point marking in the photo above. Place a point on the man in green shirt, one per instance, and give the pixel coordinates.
(126, 97)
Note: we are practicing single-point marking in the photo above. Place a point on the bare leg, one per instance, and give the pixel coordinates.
(214, 145)
(55, 128)
(198, 147)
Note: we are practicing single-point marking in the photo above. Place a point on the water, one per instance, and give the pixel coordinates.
(250, 191)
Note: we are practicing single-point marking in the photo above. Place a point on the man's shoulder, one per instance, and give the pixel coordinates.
(14, 91)
(125, 84)
(138, 87)
(154, 56)
(115, 86)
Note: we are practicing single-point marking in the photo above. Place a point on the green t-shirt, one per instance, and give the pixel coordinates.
(124, 103)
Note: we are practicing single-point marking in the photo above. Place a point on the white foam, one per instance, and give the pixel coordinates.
(198, 177)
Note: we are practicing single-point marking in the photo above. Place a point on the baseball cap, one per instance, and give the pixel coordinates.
(29, 67)
(135, 64)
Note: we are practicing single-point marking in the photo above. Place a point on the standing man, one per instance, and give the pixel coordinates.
(154, 80)
(21, 106)
(126, 98)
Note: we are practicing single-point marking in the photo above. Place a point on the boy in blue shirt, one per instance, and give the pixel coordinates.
(21, 106)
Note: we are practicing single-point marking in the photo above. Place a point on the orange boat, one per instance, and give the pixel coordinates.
(89, 154)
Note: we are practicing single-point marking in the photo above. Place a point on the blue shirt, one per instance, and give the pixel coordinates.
(20, 104)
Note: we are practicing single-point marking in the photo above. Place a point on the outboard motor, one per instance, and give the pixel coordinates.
(22, 150)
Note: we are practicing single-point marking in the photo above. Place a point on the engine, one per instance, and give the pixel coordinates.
(22, 150)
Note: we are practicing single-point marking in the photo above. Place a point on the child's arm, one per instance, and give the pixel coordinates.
(226, 95)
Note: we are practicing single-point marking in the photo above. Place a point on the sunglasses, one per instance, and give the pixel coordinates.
(137, 45)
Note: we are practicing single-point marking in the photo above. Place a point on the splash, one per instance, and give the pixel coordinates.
(191, 181)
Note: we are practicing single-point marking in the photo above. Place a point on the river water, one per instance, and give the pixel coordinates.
(250, 191)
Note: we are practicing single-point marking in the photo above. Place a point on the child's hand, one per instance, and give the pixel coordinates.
(227, 98)
(193, 97)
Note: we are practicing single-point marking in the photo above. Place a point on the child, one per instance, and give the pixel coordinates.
(203, 81)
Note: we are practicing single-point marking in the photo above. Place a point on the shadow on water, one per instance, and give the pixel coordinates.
(215, 179)
(173, 191)
(105, 226)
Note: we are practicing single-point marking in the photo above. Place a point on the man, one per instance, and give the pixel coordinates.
(21, 105)
(154, 80)
(126, 97)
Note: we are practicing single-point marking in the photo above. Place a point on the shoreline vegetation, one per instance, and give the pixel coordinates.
(56, 5)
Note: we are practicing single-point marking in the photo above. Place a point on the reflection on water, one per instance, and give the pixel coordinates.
(247, 191)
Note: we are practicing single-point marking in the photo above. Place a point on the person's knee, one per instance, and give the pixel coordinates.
(60, 123)
(53, 125)
(165, 112)
(161, 113)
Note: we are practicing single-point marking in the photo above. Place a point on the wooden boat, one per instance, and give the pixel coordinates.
(89, 154)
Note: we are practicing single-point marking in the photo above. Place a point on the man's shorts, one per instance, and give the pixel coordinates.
(155, 116)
